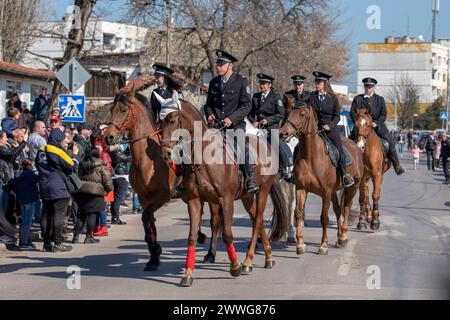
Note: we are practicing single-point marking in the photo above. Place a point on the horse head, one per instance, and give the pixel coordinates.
(289, 100)
(363, 127)
(123, 115)
(298, 121)
(170, 122)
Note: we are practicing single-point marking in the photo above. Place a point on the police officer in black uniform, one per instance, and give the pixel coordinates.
(299, 91)
(166, 87)
(326, 105)
(377, 105)
(268, 112)
(228, 103)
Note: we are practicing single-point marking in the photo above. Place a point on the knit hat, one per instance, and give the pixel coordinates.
(56, 137)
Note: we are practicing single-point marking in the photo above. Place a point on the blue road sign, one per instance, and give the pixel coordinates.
(72, 108)
(443, 115)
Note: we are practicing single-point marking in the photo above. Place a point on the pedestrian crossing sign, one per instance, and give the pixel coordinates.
(72, 108)
(443, 115)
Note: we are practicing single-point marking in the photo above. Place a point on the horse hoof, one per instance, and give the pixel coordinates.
(151, 266)
(342, 242)
(209, 258)
(202, 238)
(186, 281)
(362, 226)
(369, 219)
(235, 272)
(375, 225)
(291, 240)
(269, 264)
(246, 269)
(301, 249)
(322, 251)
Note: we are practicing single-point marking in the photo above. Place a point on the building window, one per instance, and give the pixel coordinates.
(139, 44)
(128, 44)
(118, 42)
(107, 40)
(101, 85)
(13, 87)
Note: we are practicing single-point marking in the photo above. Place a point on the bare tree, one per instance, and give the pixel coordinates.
(18, 19)
(406, 95)
(275, 36)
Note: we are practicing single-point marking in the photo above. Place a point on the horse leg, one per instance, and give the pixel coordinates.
(292, 203)
(378, 180)
(324, 220)
(301, 199)
(215, 223)
(348, 200)
(194, 208)
(259, 225)
(202, 238)
(227, 219)
(337, 212)
(363, 194)
(148, 221)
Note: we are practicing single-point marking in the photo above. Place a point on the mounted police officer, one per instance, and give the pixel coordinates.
(228, 103)
(370, 100)
(326, 104)
(299, 92)
(166, 87)
(268, 112)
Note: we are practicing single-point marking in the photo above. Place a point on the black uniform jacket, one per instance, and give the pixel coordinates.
(233, 101)
(378, 110)
(272, 109)
(328, 111)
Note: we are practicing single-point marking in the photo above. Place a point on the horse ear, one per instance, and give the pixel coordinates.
(160, 99)
(116, 88)
(175, 97)
(132, 91)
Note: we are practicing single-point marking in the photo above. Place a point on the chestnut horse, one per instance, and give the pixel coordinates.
(314, 172)
(150, 176)
(374, 168)
(218, 182)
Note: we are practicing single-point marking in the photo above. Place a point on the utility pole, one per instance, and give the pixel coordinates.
(435, 9)
(169, 32)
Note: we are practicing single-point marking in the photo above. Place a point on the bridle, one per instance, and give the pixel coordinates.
(299, 131)
(131, 117)
(167, 142)
(366, 137)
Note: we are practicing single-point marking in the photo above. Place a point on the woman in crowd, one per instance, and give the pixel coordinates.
(96, 184)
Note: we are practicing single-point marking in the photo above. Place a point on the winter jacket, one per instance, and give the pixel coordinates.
(10, 155)
(120, 162)
(82, 142)
(97, 182)
(5, 173)
(430, 143)
(49, 160)
(40, 107)
(8, 125)
(25, 187)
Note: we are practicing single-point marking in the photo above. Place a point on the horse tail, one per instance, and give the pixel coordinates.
(5, 226)
(280, 213)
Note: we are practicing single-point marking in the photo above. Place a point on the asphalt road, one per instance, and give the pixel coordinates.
(407, 259)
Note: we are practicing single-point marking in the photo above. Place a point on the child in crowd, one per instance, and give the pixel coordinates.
(416, 151)
(25, 187)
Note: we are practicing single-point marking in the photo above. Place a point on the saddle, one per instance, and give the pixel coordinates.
(384, 148)
(333, 152)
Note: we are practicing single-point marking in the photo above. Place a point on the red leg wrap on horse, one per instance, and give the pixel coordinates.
(190, 259)
(231, 252)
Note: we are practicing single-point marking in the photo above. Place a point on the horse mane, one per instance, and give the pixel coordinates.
(192, 110)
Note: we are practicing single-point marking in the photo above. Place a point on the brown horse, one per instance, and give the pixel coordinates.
(374, 168)
(219, 183)
(314, 172)
(150, 176)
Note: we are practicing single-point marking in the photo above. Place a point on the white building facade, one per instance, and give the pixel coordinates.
(426, 64)
(102, 37)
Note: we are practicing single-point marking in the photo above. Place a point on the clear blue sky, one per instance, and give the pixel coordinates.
(394, 21)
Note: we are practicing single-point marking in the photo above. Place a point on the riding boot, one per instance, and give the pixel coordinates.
(396, 163)
(347, 180)
(250, 178)
(284, 166)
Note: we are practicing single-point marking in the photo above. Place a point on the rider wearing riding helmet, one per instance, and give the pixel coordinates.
(166, 87)
(267, 112)
(326, 104)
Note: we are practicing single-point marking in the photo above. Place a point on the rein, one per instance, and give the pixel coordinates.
(299, 130)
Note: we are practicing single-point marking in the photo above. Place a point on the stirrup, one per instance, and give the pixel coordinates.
(350, 183)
